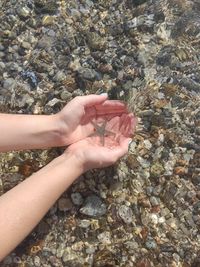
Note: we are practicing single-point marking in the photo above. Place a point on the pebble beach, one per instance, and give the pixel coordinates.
(145, 210)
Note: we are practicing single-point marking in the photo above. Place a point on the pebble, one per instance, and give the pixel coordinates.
(9, 83)
(105, 238)
(65, 95)
(126, 214)
(37, 261)
(77, 199)
(23, 12)
(93, 206)
(65, 204)
(150, 244)
(84, 223)
(154, 201)
(60, 76)
(47, 20)
(90, 250)
(88, 74)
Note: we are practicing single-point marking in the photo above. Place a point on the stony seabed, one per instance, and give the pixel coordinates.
(145, 211)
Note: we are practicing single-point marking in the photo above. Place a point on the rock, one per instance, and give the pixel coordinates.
(60, 76)
(65, 95)
(47, 20)
(84, 223)
(154, 201)
(105, 238)
(125, 213)
(95, 41)
(93, 206)
(9, 84)
(150, 244)
(26, 45)
(157, 169)
(53, 102)
(77, 199)
(43, 227)
(23, 12)
(88, 74)
(90, 250)
(64, 204)
(196, 207)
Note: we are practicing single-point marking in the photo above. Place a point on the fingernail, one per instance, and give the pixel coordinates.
(104, 94)
(129, 143)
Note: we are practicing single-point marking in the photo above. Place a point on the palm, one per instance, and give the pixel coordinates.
(81, 119)
(116, 133)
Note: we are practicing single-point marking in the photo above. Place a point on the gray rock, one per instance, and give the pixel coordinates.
(95, 41)
(2, 54)
(154, 201)
(1, 47)
(88, 74)
(150, 244)
(60, 76)
(90, 250)
(2, 65)
(23, 12)
(77, 199)
(65, 95)
(64, 204)
(125, 213)
(149, 190)
(9, 83)
(93, 206)
(84, 223)
(26, 45)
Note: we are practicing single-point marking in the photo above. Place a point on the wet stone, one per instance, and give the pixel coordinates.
(93, 206)
(64, 204)
(23, 12)
(77, 199)
(150, 244)
(154, 201)
(9, 83)
(125, 213)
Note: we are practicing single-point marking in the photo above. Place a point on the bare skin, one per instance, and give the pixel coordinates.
(23, 207)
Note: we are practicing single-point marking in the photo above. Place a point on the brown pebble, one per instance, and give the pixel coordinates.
(180, 170)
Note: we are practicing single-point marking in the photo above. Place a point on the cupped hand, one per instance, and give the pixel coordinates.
(91, 153)
(77, 116)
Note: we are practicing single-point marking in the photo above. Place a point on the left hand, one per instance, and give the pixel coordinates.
(90, 153)
(75, 119)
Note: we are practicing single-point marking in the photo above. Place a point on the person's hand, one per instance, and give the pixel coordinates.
(75, 119)
(91, 153)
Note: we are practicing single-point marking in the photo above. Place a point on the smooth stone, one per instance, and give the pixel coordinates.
(23, 12)
(64, 204)
(125, 213)
(150, 244)
(47, 20)
(60, 76)
(9, 83)
(93, 206)
(65, 95)
(77, 199)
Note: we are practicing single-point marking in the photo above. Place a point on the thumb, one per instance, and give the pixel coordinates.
(91, 100)
(122, 149)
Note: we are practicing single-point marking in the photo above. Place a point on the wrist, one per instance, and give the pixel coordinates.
(70, 160)
(60, 129)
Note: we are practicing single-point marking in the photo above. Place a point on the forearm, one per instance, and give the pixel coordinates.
(19, 132)
(22, 207)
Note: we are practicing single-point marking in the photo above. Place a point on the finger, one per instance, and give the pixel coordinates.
(123, 120)
(122, 149)
(113, 124)
(111, 107)
(90, 100)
